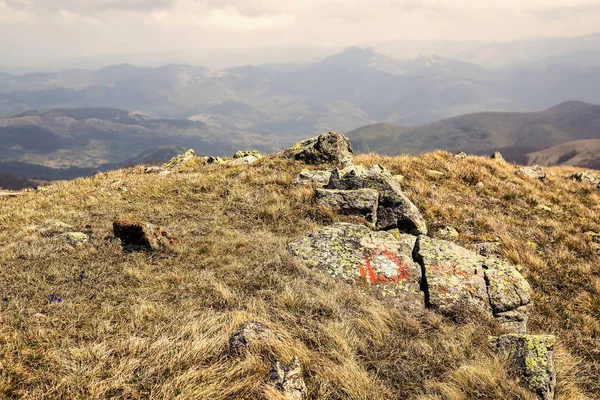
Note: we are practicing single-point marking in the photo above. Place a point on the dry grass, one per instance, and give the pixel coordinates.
(142, 325)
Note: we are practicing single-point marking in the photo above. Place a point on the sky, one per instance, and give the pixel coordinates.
(34, 32)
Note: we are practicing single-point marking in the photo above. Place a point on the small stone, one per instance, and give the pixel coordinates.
(434, 173)
(287, 379)
(487, 249)
(532, 357)
(535, 172)
(448, 233)
(76, 238)
(250, 332)
(153, 170)
(317, 178)
(242, 154)
(461, 156)
(55, 228)
(247, 160)
(361, 202)
(479, 185)
(497, 156)
(180, 159)
(213, 160)
(328, 148)
(586, 177)
(138, 235)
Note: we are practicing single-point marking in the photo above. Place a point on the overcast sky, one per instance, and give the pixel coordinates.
(37, 31)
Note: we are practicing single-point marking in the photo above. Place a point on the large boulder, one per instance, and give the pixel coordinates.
(318, 178)
(357, 255)
(454, 276)
(361, 202)
(395, 210)
(532, 358)
(286, 378)
(140, 235)
(329, 148)
(534, 172)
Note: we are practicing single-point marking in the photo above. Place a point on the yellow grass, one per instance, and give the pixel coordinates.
(141, 325)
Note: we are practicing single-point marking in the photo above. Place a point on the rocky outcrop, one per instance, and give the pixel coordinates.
(329, 148)
(587, 177)
(361, 202)
(287, 379)
(246, 153)
(535, 172)
(140, 235)
(532, 358)
(180, 159)
(318, 179)
(394, 210)
(497, 156)
(357, 255)
(250, 332)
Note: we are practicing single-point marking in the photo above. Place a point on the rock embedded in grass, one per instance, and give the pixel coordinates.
(180, 159)
(328, 148)
(587, 177)
(287, 379)
(140, 235)
(532, 358)
(316, 178)
(497, 156)
(76, 238)
(247, 334)
(532, 172)
(361, 202)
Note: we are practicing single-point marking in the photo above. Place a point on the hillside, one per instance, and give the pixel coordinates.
(515, 134)
(583, 153)
(48, 143)
(134, 324)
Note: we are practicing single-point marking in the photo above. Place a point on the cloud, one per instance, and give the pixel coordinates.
(562, 12)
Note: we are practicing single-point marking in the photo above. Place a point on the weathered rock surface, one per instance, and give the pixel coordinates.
(448, 233)
(247, 160)
(360, 256)
(532, 358)
(454, 275)
(55, 228)
(361, 202)
(395, 210)
(461, 156)
(318, 179)
(487, 249)
(180, 159)
(587, 177)
(246, 153)
(287, 379)
(213, 160)
(138, 235)
(76, 238)
(535, 172)
(328, 148)
(250, 332)
(497, 156)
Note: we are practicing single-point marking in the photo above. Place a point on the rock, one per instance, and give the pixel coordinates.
(242, 154)
(10, 194)
(480, 185)
(137, 235)
(55, 228)
(395, 210)
(398, 178)
(357, 255)
(318, 179)
(76, 238)
(532, 358)
(509, 294)
(535, 172)
(543, 208)
(247, 160)
(249, 332)
(461, 156)
(586, 177)
(361, 202)
(434, 173)
(180, 159)
(287, 379)
(487, 249)
(448, 233)
(153, 170)
(329, 148)
(454, 276)
(497, 156)
(213, 160)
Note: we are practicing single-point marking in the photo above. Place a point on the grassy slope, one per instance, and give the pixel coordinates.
(156, 326)
(578, 152)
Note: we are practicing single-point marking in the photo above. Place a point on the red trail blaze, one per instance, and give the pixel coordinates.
(368, 273)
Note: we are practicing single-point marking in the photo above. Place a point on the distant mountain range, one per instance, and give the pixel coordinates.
(546, 137)
(353, 88)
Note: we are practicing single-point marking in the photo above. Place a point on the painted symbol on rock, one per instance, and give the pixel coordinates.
(382, 267)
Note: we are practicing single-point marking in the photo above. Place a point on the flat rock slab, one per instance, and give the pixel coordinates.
(317, 178)
(361, 202)
(454, 275)
(357, 255)
(140, 235)
(395, 210)
(534, 172)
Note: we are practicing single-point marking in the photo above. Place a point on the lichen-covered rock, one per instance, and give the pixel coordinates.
(213, 160)
(55, 228)
(532, 358)
(318, 179)
(357, 255)
(497, 156)
(448, 233)
(514, 321)
(454, 275)
(76, 238)
(287, 379)
(361, 202)
(395, 210)
(250, 332)
(247, 160)
(587, 177)
(461, 156)
(535, 172)
(246, 153)
(328, 148)
(140, 235)
(180, 159)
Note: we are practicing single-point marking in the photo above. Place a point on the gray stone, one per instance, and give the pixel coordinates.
(140, 235)
(357, 255)
(461, 156)
(287, 379)
(318, 179)
(247, 160)
(586, 177)
(250, 332)
(361, 202)
(76, 238)
(454, 275)
(514, 321)
(497, 156)
(487, 249)
(532, 358)
(448, 233)
(246, 153)
(535, 172)
(328, 148)
(180, 159)
(395, 210)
